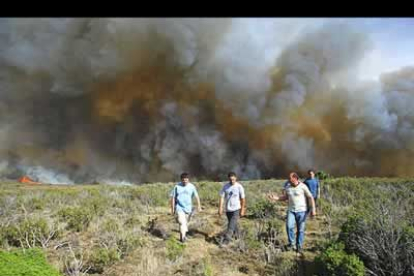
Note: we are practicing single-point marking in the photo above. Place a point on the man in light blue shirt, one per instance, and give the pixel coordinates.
(181, 200)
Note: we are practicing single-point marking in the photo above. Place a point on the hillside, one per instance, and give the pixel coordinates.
(127, 230)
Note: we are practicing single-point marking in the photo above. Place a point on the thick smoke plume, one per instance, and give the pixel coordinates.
(139, 100)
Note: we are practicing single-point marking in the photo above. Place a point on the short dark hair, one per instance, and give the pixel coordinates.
(230, 174)
(311, 170)
(184, 175)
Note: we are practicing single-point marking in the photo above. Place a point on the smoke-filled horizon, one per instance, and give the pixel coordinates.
(142, 100)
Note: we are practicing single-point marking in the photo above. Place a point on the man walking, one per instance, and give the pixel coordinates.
(296, 193)
(313, 185)
(233, 197)
(181, 200)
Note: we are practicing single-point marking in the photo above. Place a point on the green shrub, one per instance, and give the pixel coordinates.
(207, 271)
(133, 221)
(323, 175)
(209, 193)
(36, 203)
(408, 254)
(175, 249)
(96, 205)
(28, 233)
(111, 225)
(152, 195)
(263, 209)
(77, 218)
(334, 261)
(102, 257)
(29, 262)
(124, 239)
(353, 226)
(202, 268)
(281, 266)
(269, 230)
(9, 236)
(379, 236)
(248, 239)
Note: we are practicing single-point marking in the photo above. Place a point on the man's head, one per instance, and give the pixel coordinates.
(311, 173)
(185, 178)
(232, 177)
(294, 178)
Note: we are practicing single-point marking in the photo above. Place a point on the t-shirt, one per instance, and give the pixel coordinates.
(286, 184)
(313, 185)
(183, 195)
(297, 197)
(232, 195)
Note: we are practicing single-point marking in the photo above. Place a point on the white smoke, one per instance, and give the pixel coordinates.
(46, 176)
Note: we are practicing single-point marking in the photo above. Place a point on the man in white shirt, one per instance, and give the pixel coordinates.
(233, 195)
(296, 193)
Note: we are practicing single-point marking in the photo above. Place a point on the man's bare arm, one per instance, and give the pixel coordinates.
(220, 210)
(275, 197)
(310, 198)
(172, 204)
(243, 206)
(198, 203)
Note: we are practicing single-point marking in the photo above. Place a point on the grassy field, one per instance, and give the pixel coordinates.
(127, 230)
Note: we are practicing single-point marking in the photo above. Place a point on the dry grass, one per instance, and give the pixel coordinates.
(117, 241)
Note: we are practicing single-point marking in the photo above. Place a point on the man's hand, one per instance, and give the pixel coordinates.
(269, 196)
(313, 213)
(172, 212)
(220, 212)
(272, 197)
(243, 212)
(199, 209)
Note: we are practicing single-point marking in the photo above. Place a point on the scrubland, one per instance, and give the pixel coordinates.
(364, 226)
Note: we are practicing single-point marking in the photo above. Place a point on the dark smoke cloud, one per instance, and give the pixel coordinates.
(136, 100)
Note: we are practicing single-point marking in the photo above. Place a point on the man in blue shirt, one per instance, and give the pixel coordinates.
(181, 200)
(313, 184)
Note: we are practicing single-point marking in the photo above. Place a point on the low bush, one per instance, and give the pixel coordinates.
(175, 249)
(112, 234)
(96, 205)
(209, 193)
(102, 257)
(29, 262)
(280, 266)
(269, 231)
(323, 175)
(29, 232)
(334, 261)
(263, 209)
(380, 241)
(77, 218)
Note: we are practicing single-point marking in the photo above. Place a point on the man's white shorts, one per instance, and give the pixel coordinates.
(182, 219)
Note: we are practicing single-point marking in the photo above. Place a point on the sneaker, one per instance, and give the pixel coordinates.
(183, 239)
(299, 250)
(224, 243)
(290, 247)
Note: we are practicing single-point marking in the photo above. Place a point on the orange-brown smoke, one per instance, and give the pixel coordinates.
(139, 100)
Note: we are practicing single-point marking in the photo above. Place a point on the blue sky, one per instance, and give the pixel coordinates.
(393, 44)
(392, 39)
